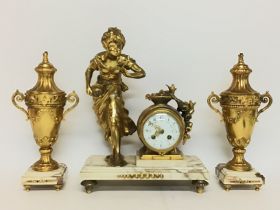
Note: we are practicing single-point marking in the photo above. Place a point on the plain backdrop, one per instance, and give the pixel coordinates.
(190, 43)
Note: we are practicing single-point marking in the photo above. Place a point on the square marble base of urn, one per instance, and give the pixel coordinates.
(229, 178)
(189, 169)
(39, 180)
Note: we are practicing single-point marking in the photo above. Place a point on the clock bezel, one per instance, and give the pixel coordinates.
(155, 109)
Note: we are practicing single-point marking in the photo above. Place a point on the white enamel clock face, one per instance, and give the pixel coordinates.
(161, 131)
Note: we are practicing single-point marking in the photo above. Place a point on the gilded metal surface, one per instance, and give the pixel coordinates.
(240, 104)
(45, 105)
(182, 115)
(107, 91)
(142, 176)
(162, 157)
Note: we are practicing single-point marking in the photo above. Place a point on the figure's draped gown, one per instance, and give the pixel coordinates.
(103, 107)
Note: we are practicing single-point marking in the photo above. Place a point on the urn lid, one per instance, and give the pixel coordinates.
(240, 67)
(45, 83)
(240, 84)
(45, 65)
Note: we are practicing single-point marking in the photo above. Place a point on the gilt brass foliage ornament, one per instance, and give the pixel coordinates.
(112, 116)
(240, 110)
(45, 109)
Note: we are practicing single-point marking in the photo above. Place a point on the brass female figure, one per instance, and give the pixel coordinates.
(107, 91)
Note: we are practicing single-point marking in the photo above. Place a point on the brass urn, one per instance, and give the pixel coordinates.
(45, 103)
(240, 110)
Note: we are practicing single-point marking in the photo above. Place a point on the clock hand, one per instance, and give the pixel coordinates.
(158, 132)
(158, 128)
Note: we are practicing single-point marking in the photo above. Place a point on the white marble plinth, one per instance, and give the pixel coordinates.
(188, 169)
(50, 178)
(168, 163)
(229, 178)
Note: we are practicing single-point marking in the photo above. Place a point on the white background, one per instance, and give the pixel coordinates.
(192, 44)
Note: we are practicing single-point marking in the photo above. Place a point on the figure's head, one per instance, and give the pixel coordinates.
(113, 41)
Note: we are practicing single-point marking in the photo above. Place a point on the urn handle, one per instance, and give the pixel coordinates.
(214, 98)
(265, 98)
(71, 98)
(19, 97)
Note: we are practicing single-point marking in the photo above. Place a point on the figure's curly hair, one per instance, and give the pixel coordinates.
(113, 35)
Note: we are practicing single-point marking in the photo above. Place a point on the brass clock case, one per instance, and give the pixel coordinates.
(156, 109)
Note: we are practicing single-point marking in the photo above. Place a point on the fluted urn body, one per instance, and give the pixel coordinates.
(240, 109)
(45, 109)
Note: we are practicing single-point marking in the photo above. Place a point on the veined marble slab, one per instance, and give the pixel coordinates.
(50, 178)
(190, 168)
(229, 178)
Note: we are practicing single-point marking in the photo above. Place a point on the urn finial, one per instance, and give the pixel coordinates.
(45, 65)
(241, 58)
(45, 57)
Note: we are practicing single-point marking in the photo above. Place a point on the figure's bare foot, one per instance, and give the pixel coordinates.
(107, 136)
(115, 160)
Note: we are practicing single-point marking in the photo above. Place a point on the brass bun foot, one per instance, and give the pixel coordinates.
(89, 185)
(27, 188)
(258, 187)
(230, 178)
(58, 187)
(115, 160)
(199, 185)
(227, 187)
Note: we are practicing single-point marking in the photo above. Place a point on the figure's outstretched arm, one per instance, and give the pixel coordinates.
(137, 71)
(92, 67)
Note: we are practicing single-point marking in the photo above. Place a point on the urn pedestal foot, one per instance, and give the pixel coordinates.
(189, 169)
(229, 178)
(35, 179)
(238, 163)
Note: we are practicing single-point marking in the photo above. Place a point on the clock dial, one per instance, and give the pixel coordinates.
(161, 131)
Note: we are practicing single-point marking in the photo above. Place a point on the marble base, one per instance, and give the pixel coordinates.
(229, 178)
(188, 169)
(54, 178)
